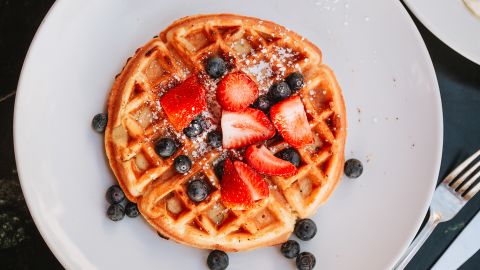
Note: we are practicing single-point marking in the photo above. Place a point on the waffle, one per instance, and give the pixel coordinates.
(265, 51)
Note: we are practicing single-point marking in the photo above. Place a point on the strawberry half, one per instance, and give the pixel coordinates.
(244, 128)
(183, 102)
(236, 92)
(241, 186)
(289, 118)
(263, 161)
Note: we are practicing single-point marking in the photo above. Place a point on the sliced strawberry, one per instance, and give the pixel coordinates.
(183, 102)
(241, 186)
(289, 118)
(244, 128)
(263, 161)
(236, 91)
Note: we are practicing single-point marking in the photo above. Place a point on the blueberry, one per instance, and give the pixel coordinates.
(295, 81)
(182, 164)
(305, 229)
(115, 212)
(214, 139)
(131, 210)
(290, 249)
(262, 103)
(99, 122)
(218, 168)
(216, 67)
(165, 147)
(279, 91)
(353, 168)
(217, 260)
(289, 154)
(194, 129)
(305, 261)
(115, 194)
(197, 190)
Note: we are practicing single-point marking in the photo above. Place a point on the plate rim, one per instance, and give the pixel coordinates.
(441, 35)
(64, 261)
(68, 263)
(439, 120)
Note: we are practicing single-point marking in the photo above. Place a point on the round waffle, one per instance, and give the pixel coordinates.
(266, 52)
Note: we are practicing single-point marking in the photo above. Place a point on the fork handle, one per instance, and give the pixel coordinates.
(433, 220)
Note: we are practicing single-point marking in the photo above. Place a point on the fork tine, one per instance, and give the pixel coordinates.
(469, 182)
(464, 176)
(460, 168)
(472, 191)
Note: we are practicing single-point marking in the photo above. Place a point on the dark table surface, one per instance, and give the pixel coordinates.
(459, 81)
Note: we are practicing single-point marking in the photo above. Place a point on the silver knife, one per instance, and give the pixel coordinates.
(464, 246)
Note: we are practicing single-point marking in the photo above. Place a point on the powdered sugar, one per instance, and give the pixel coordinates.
(284, 53)
(214, 111)
(262, 72)
(158, 107)
(268, 70)
(200, 148)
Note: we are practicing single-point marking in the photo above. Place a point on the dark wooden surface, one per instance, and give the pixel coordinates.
(459, 81)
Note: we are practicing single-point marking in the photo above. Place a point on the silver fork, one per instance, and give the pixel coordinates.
(449, 197)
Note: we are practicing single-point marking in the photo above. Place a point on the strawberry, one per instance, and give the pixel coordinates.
(241, 186)
(236, 92)
(183, 102)
(263, 161)
(289, 118)
(244, 128)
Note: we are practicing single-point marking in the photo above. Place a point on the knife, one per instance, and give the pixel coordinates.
(464, 246)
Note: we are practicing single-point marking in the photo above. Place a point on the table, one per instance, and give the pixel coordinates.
(459, 81)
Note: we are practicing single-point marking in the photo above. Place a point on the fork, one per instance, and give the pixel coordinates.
(449, 197)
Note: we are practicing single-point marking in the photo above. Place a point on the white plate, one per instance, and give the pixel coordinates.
(451, 22)
(395, 128)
